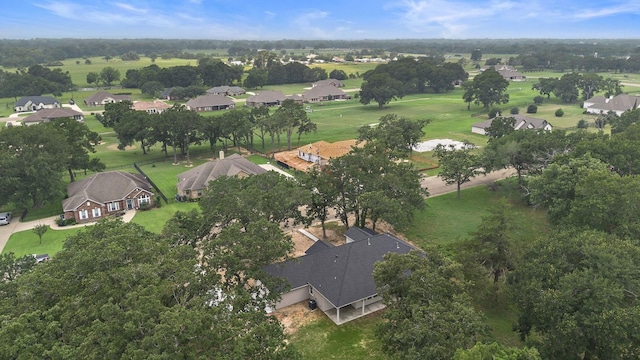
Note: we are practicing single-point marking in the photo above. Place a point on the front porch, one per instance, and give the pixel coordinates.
(347, 313)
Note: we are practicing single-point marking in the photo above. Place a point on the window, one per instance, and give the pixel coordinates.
(96, 212)
(199, 192)
(84, 214)
(144, 199)
(113, 206)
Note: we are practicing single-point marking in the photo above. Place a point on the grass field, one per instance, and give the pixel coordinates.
(26, 242)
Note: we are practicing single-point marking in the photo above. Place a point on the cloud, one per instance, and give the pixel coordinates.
(59, 8)
(270, 13)
(131, 8)
(630, 7)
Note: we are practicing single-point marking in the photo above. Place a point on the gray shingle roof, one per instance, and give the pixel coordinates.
(209, 100)
(102, 188)
(225, 89)
(622, 102)
(356, 234)
(267, 96)
(46, 100)
(522, 122)
(330, 82)
(343, 274)
(50, 114)
(101, 95)
(323, 90)
(198, 177)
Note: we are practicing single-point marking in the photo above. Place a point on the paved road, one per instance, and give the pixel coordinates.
(17, 226)
(436, 186)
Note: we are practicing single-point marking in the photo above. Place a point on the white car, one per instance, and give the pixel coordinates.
(5, 218)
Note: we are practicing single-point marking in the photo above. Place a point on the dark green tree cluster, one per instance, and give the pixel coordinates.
(34, 81)
(409, 76)
(488, 88)
(33, 159)
(571, 86)
(209, 72)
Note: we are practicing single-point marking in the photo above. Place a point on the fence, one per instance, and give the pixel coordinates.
(151, 182)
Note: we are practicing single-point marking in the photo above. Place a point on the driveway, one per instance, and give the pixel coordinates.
(17, 226)
(436, 186)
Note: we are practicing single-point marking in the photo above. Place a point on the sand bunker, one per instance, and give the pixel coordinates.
(430, 145)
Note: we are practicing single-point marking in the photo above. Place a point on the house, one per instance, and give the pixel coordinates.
(105, 194)
(226, 90)
(46, 115)
(193, 182)
(166, 94)
(508, 72)
(522, 122)
(355, 233)
(324, 93)
(331, 82)
(315, 154)
(33, 103)
(102, 98)
(210, 102)
(151, 107)
(618, 104)
(338, 279)
(266, 98)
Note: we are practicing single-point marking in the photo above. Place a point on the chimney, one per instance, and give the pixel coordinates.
(221, 154)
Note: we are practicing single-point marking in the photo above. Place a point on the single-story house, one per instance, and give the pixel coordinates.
(104, 194)
(151, 107)
(210, 102)
(339, 279)
(331, 82)
(46, 115)
(33, 103)
(324, 93)
(618, 104)
(104, 97)
(266, 98)
(166, 94)
(316, 154)
(226, 90)
(522, 122)
(193, 182)
(507, 71)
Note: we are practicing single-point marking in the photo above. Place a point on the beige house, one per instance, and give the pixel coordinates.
(324, 93)
(191, 184)
(106, 194)
(266, 98)
(103, 97)
(210, 102)
(151, 107)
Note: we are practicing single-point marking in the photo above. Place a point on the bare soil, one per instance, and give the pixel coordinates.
(296, 316)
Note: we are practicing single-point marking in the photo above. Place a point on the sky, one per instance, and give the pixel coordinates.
(328, 19)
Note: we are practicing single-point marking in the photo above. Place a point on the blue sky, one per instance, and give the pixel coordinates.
(346, 19)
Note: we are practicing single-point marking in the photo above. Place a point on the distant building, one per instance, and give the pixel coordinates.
(46, 115)
(210, 102)
(522, 122)
(33, 103)
(102, 98)
(618, 104)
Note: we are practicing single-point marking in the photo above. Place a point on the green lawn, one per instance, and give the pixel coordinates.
(154, 220)
(27, 242)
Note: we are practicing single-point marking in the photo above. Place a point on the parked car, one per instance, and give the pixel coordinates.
(5, 218)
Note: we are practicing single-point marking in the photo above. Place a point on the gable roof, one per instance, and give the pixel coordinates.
(46, 100)
(322, 91)
(146, 105)
(50, 114)
(342, 274)
(356, 234)
(198, 177)
(267, 96)
(330, 82)
(100, 96)
(522, 122)
(102, 188)
(619, 103)
(226, 89)
(209, 100)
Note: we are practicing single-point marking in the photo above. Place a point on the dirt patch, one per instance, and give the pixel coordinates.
(296, 316)
(115, 147)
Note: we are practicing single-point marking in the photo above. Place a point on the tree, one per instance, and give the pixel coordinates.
(92, 77)
(393, 135)
(457, 165)
(428, 314)
(487, 88)
(318, 183)
(114, 112)
(259, 117)
(500, 126)
(109, 75)
(291, 115)
(39, 230)
(338, 74)
(476, 55)
(495, 351)
(579, 285)
(141, 299)
(381, 88)
(567, 87)
(590, 84)
(152, 88)
(81, 142)
(545, 86)
(135, 126)
(12, 267)
(256, 78)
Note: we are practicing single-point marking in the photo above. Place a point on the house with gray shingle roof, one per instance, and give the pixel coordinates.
(522, 122)
(330, 82)
(193, 182)
(46, 115)
(33, 103)
(324, 93)
(339, 279)
(210, 102)
(266, 98)
(106, 194)
(226, 90)
(103, 97)
(618, 104)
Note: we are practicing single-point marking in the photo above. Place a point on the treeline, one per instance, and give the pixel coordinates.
(35, 81)
(16, 53)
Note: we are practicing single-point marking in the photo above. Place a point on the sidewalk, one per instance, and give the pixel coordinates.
(17, 226)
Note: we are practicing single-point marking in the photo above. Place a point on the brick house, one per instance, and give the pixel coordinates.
(105, 194)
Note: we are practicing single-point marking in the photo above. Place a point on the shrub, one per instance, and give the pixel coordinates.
(493, 112)
(532, 109)
(65, 222)
(538, 100)
(559, 113)
(514, 110)
(582, 124)
(144, 207)
(158, 202)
